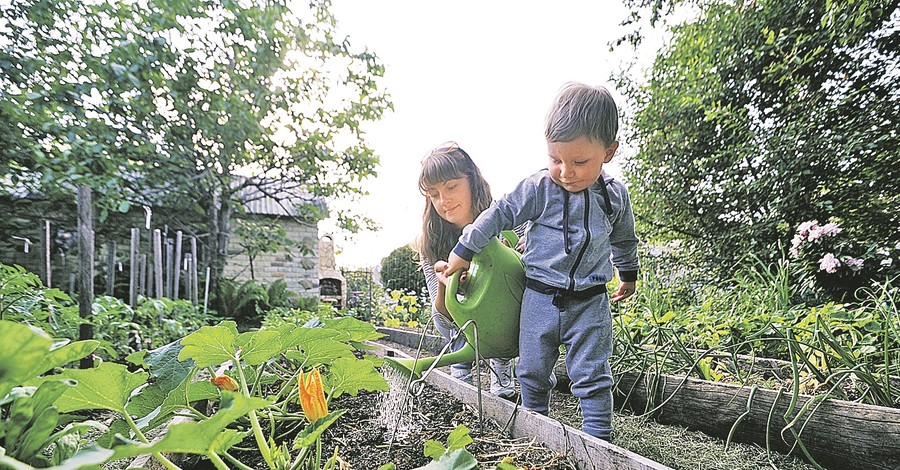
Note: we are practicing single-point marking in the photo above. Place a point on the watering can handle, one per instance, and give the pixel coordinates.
(450, 300)
(450, 294)
(511, 237)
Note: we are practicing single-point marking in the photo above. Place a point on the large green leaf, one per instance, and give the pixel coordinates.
(294, 336)
(210, 345)
(203, 437)
(106, 387)
(22, 354)
(165, 366)
(457, 460)
(227, 439)
(356, 330)
(320, 351)
(159, 406)
(352, 375)
(259, 346)
(68, 353)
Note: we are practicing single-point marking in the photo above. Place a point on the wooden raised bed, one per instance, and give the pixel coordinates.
(586, 451)
(838, 434)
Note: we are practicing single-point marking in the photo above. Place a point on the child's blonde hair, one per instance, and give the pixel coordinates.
(581, 110)
(447, 162)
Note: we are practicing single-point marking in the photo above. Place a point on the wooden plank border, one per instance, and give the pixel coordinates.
(588, 452)
(837, 433)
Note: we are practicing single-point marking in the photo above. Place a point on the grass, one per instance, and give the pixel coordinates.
(680, 448)
(676, 446)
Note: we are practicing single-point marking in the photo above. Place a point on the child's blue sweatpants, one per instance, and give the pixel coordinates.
(585, 328)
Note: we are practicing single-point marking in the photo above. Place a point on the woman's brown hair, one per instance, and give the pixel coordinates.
(444, 163)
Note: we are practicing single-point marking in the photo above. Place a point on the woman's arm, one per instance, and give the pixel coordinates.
(436, 289)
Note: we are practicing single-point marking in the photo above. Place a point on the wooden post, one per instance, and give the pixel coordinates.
(194, 284)
(188, 267)
(110, 268)
(134, 267)
(45, 261)
(143, 289)
(157, 264)
(170, 275)
(85, 267)
(177, 264)
(206, 293)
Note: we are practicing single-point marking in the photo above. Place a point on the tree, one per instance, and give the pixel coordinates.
(166, 103)
(400, 270)
(258, 237)
(759, 116)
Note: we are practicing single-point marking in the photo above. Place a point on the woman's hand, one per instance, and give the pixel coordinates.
(443, 277)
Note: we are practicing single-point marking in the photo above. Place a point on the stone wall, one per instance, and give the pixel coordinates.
(300, 272)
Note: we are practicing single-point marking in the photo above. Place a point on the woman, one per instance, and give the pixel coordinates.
(455, 194)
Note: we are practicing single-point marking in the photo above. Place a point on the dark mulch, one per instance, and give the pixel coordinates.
(363, 438)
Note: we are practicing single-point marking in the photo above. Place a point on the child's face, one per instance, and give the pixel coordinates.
(575, 165)
(452, 199)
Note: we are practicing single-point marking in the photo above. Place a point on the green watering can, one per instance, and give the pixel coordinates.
(493, 299)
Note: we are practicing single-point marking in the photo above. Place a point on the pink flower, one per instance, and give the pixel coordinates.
(829, 263)
(855, 264)
(795, 245)
(805, 227)
(830, 229)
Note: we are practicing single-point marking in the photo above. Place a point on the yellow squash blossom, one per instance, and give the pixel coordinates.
(312, 396)
(224, 382)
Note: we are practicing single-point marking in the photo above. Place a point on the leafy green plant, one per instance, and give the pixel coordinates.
(258, 394)
(454, 456)
(241, 301)
(258, 237)
(850, 350)
(400, 270)
(278, 295)
(24, 298)
(32, 409)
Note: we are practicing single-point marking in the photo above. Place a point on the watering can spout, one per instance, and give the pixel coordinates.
(491, 303)
(416, 367)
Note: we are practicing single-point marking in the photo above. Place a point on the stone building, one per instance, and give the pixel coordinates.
(299, 267)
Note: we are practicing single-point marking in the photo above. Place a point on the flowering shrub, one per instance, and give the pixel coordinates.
(833, 262)
(401, 309)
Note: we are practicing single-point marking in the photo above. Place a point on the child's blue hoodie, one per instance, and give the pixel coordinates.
(571, 235)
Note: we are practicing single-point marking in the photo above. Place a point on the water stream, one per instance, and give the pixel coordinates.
(394, 408)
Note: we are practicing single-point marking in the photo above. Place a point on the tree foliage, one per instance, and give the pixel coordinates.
(761, 115)
(400, 270)
(168, 101)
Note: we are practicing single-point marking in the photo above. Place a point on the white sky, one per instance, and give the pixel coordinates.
(482, 73)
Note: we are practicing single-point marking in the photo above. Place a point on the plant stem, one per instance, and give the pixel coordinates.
(254, 421)
(137, 432)
(237, 463)
(217, 461)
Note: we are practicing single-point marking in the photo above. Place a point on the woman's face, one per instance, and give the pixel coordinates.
(452, 199)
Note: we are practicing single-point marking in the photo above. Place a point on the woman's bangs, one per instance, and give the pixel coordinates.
(437, 169)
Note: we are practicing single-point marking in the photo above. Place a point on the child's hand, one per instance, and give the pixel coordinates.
(454, 263)
(625, 290)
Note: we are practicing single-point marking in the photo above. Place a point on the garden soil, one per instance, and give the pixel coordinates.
(364, 442)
